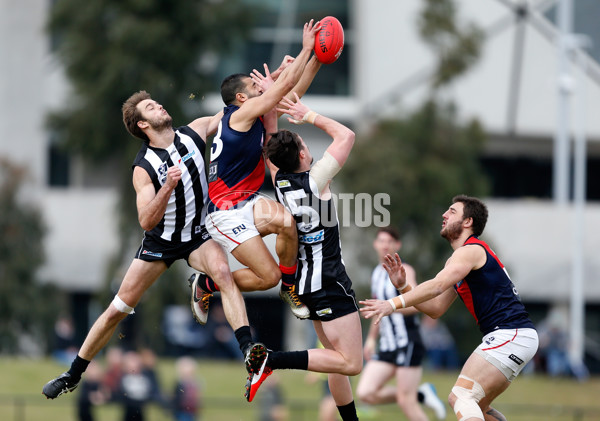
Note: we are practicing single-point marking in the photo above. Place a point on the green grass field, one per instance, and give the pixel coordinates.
(530, 398)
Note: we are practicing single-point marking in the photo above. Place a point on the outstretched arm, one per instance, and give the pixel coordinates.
(206, 126)
(336, 154)
(458, 266)
(260, 105)
(310, 71)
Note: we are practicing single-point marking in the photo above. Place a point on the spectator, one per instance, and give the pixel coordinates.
(114, 371)
(135, 389)
(222, 343)
(272, 406)
(64, 340)
(91, 393)
(187, 399)
(149, 370)
(440, 347)
(554, 345)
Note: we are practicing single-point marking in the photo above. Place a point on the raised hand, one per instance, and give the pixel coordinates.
(375, 308)
(287, 60)
(297, 110)
(309, 33)
(397, 273)
(263, 81)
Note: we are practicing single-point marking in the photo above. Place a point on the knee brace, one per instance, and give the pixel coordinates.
(468, 394)
(121, 306)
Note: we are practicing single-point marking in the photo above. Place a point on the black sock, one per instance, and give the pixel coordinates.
(348, 412)
(420, 397)
(288, 276)
(244, 337)
(78, 366)
(209, 285)
(296, 360)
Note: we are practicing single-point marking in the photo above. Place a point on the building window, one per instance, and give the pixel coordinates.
(58, 165)
(270, 42)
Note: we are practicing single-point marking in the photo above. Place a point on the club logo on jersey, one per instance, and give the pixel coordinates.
(313, 238)
(238, 229)
(162, 173)
(283, 183)
(212, 172)
(187, 156)
(515, 359)
(325, 312)
(151, 253)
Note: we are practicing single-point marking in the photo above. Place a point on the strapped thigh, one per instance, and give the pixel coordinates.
(468, 394)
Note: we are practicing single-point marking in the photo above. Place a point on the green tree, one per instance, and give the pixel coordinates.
(113, 48)
(24, 304)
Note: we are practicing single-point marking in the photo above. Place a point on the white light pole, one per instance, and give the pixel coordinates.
(577, 305)
(560, 167)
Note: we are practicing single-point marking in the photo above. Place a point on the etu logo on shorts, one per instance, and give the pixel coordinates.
(515, 359)
(238, 229)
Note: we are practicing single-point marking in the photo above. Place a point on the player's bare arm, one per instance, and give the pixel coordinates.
(343, 137)
(257, 106)
(151, 206)
(206, 126)
(462, 261)
(287, 60)
(310, 71)
(411, 279)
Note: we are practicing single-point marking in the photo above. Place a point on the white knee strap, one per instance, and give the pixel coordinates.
(121, 306)
(468, 394)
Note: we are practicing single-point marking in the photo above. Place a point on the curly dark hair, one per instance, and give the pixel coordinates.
(473, 208)
(131, 115)
(283, 149)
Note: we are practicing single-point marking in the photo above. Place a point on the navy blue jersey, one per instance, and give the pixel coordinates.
(319, 253)
(237, 167)
(184, 217)
(490, 295)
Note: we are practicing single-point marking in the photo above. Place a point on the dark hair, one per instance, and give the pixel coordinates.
(393, 232)
(473, 208)
(232, 85)
(283, 149)
(131, 114)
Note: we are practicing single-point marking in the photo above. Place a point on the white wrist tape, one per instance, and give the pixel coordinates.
(391, 301)
(310, 116)
(403, 301)
(121, 306)
(400, 288)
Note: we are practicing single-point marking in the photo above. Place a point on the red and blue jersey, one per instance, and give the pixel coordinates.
(490, 296)
(237, 168)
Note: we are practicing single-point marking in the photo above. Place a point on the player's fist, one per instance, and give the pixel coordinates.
(173, 176)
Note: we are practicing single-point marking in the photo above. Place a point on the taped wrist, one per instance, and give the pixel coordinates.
(310, 116)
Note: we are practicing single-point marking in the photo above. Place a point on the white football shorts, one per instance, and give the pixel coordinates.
(232, 227)
(509, 350)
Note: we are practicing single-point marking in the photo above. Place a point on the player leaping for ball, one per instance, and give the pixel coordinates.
(170, 182)
(321, 279)
(238, 217)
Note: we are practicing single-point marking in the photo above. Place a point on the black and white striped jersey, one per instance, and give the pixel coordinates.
(185, 211)
(395, 331)
(319, 252)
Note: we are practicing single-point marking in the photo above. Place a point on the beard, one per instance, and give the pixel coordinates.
(162, 123)
(452, 232)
